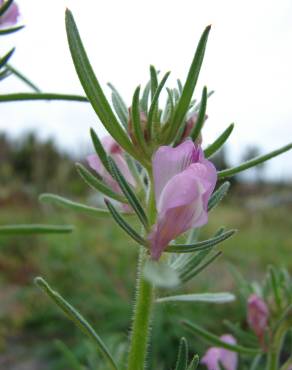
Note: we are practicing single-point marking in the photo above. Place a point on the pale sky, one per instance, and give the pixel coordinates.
(248, 64)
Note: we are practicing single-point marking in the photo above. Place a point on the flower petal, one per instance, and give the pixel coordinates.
(168, 162)
(181, 208)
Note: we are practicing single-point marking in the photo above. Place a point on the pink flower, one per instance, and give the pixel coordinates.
(184, 181)
(11, 15)
(215, 356)
(257, 315)
(117, 154)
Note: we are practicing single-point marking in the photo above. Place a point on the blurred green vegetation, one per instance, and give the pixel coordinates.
(94, 268)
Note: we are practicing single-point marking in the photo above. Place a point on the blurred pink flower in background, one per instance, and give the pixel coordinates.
(184, 181)
(215, 356)
(257, 315)
(10, 16)
(117, 154)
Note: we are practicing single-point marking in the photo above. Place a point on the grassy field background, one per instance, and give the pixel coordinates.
(94, 268)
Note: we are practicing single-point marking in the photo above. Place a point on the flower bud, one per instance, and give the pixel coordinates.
(257, 315)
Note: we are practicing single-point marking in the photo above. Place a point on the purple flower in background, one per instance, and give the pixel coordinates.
(215, 356)
(117, 154)
(11, 15)
(257, 315)
(184, 181)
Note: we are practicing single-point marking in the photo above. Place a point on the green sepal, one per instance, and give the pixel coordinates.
(219, 142)
(189, 87)
(215, 340)
(77, 319)
(136, 121)
(182, 357)
(218, 195)
(205, 244)
(97, 184)
(75, 206)
(199, 297)
(145, 98)
(154, 104)
(120, 106)
(169, 108)
(92, 87)
(253, 162)
(23, 229)
(6, 57)
(7, 31)
(129, 193)
(201, 116)
(124, 225)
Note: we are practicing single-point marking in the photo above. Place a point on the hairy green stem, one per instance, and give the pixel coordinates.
(275, 348)
(144, 301)
(142, 318)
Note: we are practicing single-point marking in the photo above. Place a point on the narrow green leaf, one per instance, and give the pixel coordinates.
(41, 96)
(145, 98)
(135, 115)
(256, 362)
(70, 357)
(153, 81)
(189, 86)
(92, 87)
(253, 162)
(169, 109)
(194, 260)
(190, 248)
(201, 267)
(161, 275)
(124, 225)
(154, 103)
(129, 193)
(77, 319)
(5, 6)
(98, 184)
(218, 195)
(4, 74)
(6, 57)
(194, 364)
(275, 286)
(182, 357)
(203, 297)
(242, 335)
(179, 85)
(213, 339)
(201, 116)
(102, 155)
(120, 106)
(23, 78)
(219, 142)
(22, 229)
(7, 31)
(78, 207)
